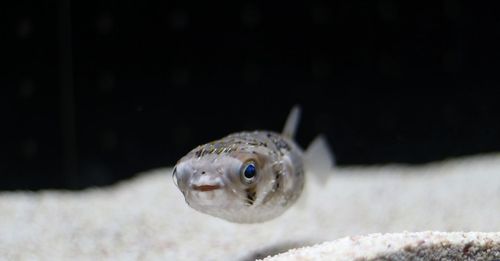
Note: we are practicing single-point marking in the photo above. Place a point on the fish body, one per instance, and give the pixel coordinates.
(245, 177)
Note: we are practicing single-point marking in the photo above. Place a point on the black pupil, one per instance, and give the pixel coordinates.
(249, 172)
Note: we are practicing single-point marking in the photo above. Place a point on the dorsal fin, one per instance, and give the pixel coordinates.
(292, 122)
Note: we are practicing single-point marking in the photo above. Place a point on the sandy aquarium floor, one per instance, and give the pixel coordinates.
(146, 218)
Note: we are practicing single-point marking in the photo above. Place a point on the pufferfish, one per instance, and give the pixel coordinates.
(250, 177)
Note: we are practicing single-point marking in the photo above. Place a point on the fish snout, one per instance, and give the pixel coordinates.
(204, 188)
(204, 182)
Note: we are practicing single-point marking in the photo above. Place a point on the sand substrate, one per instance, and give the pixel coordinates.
(146, 218)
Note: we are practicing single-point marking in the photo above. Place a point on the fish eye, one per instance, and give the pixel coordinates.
(248, 172)
(174, 176)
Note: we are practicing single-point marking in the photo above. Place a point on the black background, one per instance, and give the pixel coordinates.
(97, 91)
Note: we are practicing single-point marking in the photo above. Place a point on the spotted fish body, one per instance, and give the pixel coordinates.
(245, 177)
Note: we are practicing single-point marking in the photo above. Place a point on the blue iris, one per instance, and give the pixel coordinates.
(249, 171)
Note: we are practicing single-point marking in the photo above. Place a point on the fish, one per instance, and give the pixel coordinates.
(250, 176)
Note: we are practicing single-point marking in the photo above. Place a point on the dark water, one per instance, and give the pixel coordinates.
(96, 91)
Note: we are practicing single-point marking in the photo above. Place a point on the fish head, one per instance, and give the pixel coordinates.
(225, 185)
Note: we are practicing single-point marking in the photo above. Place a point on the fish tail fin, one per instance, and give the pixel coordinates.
(319, 159)
(292, 122)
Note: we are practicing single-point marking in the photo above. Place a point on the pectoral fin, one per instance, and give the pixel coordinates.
(319, 159)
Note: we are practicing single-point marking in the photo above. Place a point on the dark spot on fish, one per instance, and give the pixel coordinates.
(219, 150)
(251, 194)
(203, 172)
(277, 179)
(281, 144)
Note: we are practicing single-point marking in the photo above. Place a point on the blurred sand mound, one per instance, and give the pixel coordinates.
(403, 246)
(146, 218)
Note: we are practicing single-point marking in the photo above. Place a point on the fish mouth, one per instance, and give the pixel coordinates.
(205, 188)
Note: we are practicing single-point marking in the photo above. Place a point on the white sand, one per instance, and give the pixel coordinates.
(403, 246)
(146, 218)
